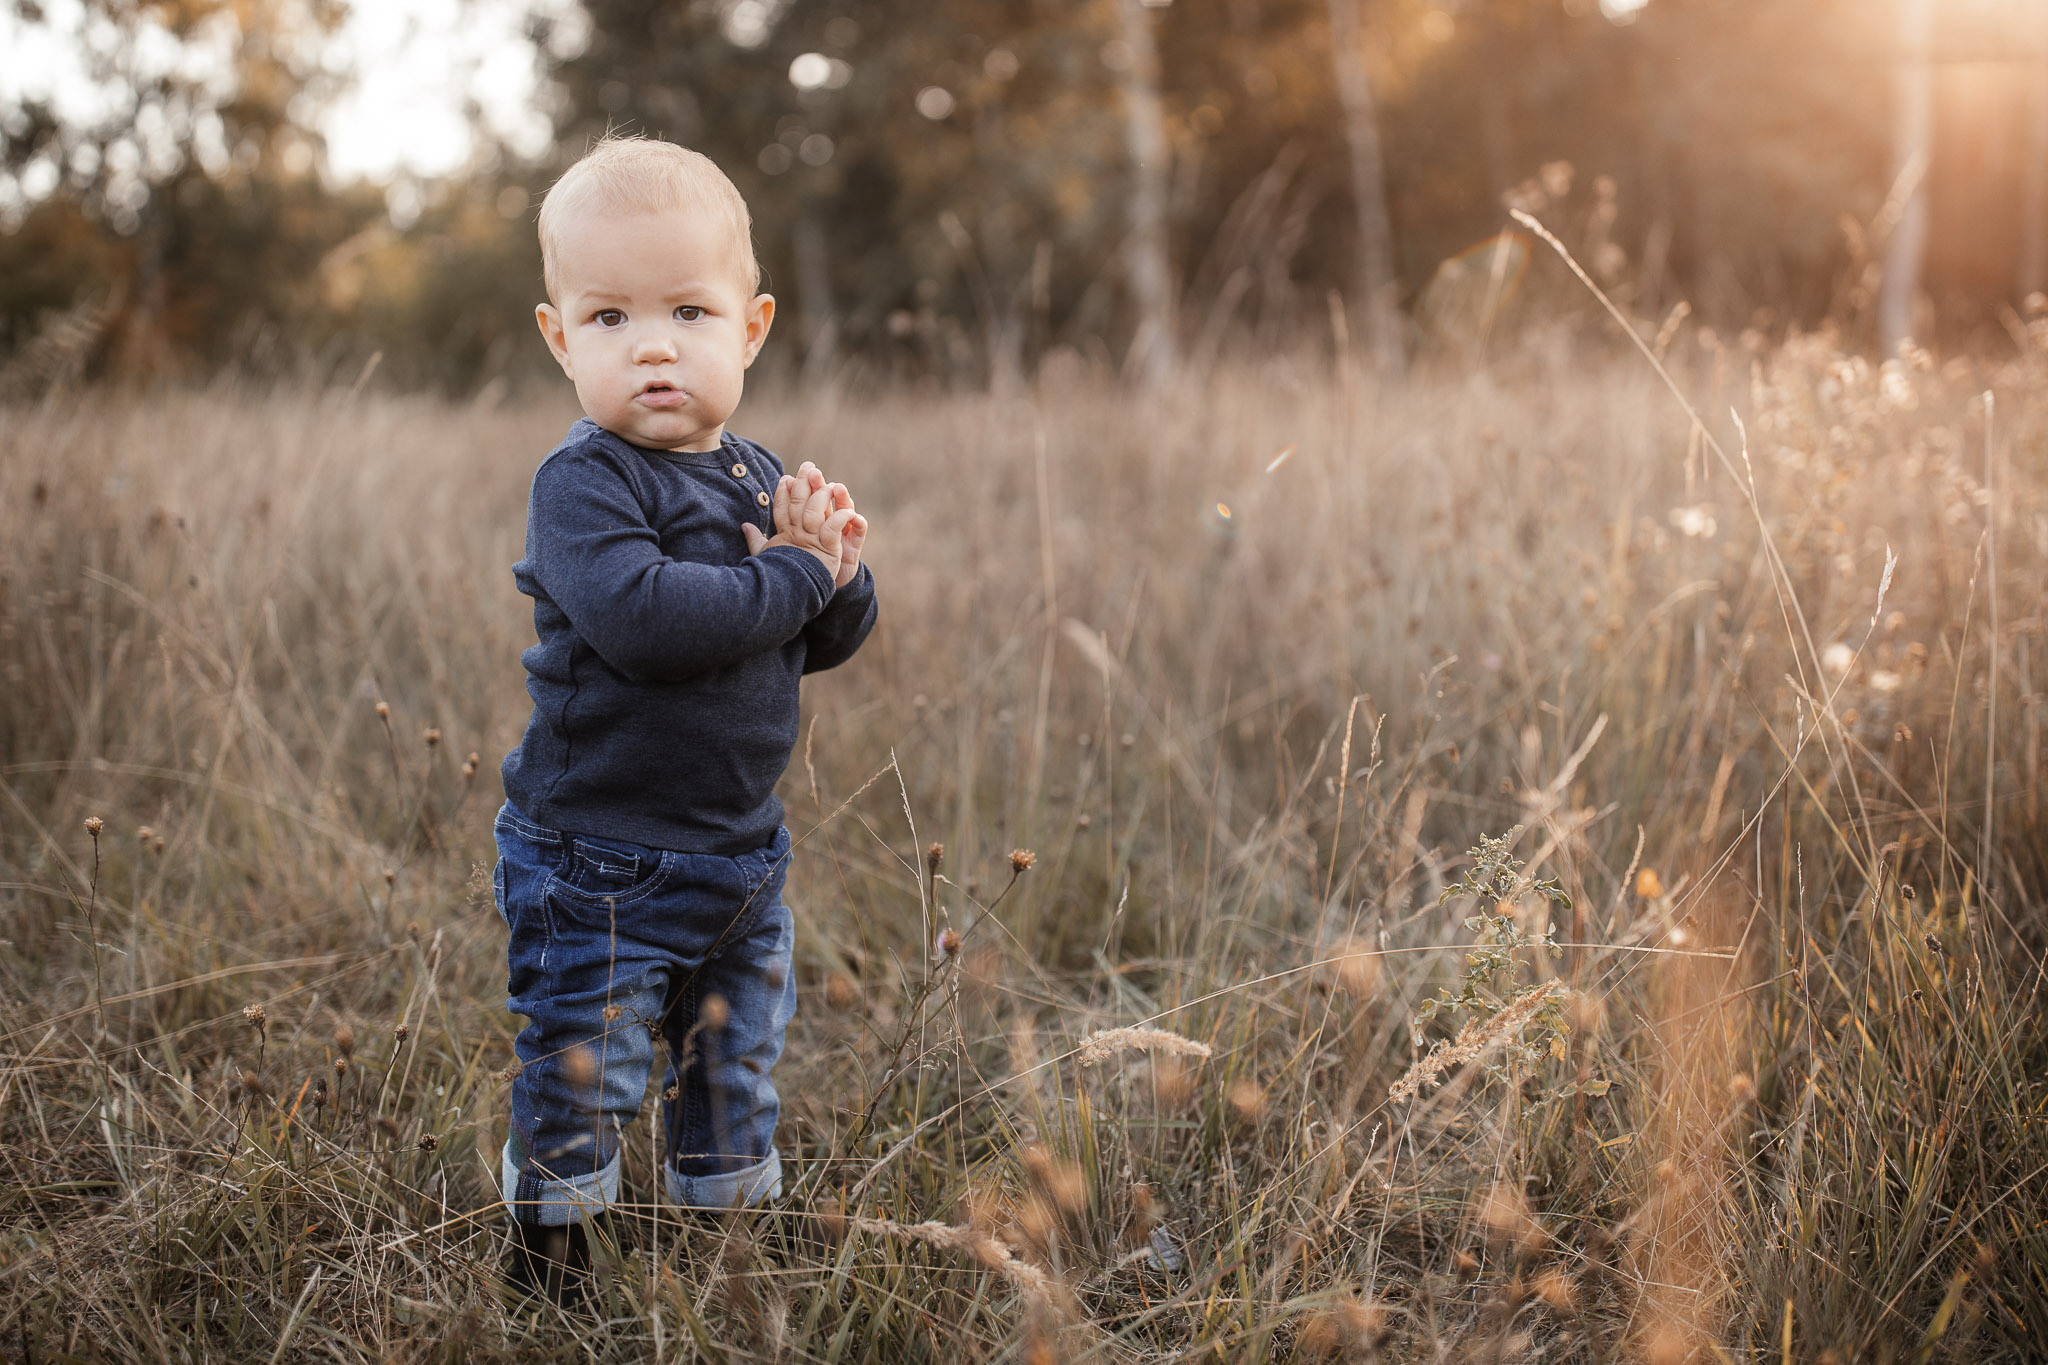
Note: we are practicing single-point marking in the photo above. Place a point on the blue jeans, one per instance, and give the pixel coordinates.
(613, 945)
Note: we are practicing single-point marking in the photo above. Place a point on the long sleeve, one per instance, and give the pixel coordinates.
(836, 632)
(652, 618)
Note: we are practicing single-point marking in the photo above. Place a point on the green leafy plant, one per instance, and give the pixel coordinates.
(1511, 1025)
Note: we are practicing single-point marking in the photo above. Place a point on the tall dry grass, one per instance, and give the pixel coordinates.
(1248, 665)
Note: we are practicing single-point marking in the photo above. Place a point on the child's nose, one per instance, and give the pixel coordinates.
(654, 345)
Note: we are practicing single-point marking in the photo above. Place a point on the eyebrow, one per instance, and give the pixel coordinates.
(693, 289)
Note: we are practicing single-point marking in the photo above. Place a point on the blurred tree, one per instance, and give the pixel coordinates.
(193, 220)
(1378, 295)
(910, 170)
(959, 189)
(1912, 151)
(1147, 253)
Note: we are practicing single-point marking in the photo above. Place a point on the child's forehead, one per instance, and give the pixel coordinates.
(591, 234)
(599, 219)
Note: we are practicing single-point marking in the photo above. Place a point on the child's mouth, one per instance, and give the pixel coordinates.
(662, 396)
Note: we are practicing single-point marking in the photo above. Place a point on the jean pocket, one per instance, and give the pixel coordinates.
(498, 890)
(596, 882)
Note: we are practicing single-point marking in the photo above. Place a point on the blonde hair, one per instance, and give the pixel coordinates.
(622, 175)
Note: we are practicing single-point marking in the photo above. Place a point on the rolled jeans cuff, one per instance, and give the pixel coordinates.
(555, 1203)
(745, 1187)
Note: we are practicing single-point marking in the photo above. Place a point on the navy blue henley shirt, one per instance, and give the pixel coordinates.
(664, 682)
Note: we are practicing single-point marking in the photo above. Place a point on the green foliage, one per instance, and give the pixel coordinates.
(1492, 989)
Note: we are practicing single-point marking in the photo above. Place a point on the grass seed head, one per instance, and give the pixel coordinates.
(1058, 1180)
(841, 991)
(1108, 1043)
(1021, 860)
(1359, 967)
(1557, 1289)
(1247, 1100)
(1349, 1329)
(1144, 1215)
(1172, 1081)
(714, 1014)
(345, 1039)
(253, 1016)
(1036, 1220)
(1504, 1212)
(1666, 1343)
(933, 856)
(93, 825)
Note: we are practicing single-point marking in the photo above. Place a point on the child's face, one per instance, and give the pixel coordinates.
(654, 324)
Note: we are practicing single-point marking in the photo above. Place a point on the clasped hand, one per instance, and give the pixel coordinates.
(818, 518)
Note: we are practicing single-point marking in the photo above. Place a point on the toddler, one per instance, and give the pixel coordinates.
(682, 584)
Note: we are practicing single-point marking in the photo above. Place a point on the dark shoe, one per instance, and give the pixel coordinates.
(550, 1263)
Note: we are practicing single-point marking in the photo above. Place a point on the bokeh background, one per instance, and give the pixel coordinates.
(958, 190)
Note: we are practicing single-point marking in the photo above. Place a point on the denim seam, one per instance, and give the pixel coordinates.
(531, 833)
(755, 906)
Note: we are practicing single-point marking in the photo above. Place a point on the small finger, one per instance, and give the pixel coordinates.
(756, 542)
(817, 507)
(783, 488)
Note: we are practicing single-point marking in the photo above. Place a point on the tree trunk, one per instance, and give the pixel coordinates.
(1907, 248)
(1376, 289)
(2033, 271)
(819, 319)
(1152, 356)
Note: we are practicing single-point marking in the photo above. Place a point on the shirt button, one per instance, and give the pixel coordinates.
(739, 471)
(762, 498)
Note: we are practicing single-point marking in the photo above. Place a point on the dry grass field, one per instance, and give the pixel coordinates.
(1249, 666)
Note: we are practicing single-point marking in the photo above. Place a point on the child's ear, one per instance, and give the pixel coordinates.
(549, 318)
(760, 315)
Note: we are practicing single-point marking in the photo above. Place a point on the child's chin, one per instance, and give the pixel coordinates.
(661, 433)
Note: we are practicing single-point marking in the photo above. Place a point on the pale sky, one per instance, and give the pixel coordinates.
(416, 64)
(413, 67)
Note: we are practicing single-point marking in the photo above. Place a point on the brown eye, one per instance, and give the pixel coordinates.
(689, 312)
(610, 317)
